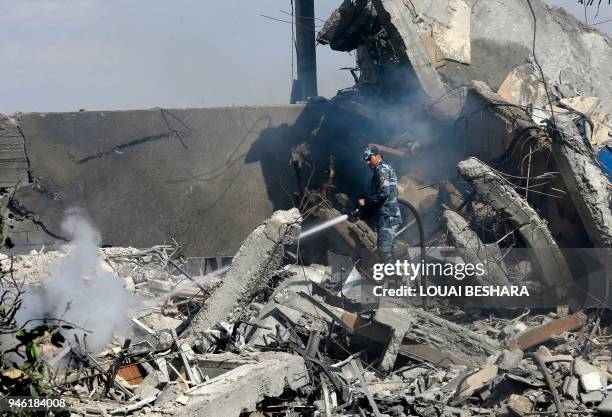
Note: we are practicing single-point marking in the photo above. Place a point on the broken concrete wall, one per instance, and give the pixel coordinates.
(486, 125)
(148, 175)
(504, 135)
(458, 41)
(13, 159)
(502, 36)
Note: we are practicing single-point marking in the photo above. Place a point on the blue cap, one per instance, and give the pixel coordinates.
(369, 152)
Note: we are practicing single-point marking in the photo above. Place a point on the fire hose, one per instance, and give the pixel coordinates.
(419, 222)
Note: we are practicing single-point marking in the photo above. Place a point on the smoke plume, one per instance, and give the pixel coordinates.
(80, 290)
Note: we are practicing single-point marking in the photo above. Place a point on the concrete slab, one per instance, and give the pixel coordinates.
(242, 388)
(144, 176)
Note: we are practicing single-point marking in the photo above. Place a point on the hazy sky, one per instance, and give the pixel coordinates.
(63, 55)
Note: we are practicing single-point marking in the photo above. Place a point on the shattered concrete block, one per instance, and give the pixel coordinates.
(510, 359)
(315, 273)
(451, 195)
(570, 387)
(421, 327)
(581, 367)
(344, 30)
(182, 399)
(592, 398)
(544, 352)
(588, 186)
(273, 317)
(489, 133)
(264, 375)
(495, 191)
(476, 381)
(523, 86)
(591, 381)
(453, 36)
(260, 254)
(414, 373)
(605, 408)
(425, 353)
(591, 377)
(156, 379)
(473, 250)
(519, 405)
(146, 391)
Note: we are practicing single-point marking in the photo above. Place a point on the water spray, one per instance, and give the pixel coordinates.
(323, 226)
(196, 281)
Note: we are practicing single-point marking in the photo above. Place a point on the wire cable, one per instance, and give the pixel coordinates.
(538, 64)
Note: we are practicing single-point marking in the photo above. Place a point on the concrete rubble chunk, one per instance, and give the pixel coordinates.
(496, 191)
(477, 381)
(260, 254)
(544, 352)
(239, 390)
(510, 359)
(523, 86)
(519, 405)
(159, 285)
(570, 387)
(581, 367)
(422, 327)
(592, 398)
(591, 381)
(588, 186)
(473, 250)
(605, 408)
(490, 127)
(345, 29)
(146, 391)
(453, 35)
(155, 379)
(278, 314)
(591, 377)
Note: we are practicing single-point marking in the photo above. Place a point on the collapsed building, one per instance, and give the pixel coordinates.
(496, 116)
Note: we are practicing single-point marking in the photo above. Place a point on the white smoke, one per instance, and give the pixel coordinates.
(81, 291)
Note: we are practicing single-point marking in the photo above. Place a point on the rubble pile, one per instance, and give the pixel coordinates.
(289, 343)
(500, 162)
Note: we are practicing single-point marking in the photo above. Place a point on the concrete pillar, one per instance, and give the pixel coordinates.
(305, 50)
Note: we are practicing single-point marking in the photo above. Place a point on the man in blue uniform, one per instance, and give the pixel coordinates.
(381, 204)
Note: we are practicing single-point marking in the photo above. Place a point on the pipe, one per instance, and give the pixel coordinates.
(551, 385)
(421, 238)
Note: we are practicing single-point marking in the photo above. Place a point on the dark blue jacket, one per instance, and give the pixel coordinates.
(381, 203)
